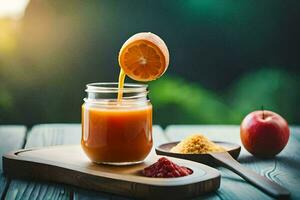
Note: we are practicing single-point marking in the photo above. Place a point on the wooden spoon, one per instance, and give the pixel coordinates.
(227, 159)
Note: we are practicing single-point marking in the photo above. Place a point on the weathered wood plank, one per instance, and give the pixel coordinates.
(287, 165)
(282, 169)
(79, 194)
(45, 135)
(296, 132)
(53, 134)
(3, 182)
(11, 138)
(159, 136)
(23, 190)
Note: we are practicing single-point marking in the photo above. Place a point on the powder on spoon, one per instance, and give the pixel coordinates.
(197, 144)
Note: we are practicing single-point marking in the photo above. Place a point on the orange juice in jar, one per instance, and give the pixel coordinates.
(116, 132)
(117, 117)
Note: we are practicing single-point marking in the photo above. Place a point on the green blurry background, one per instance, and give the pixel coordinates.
(227, 58)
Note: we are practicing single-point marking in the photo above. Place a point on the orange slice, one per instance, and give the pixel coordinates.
(144, 57)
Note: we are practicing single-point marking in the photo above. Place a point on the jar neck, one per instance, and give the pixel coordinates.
(107, 94)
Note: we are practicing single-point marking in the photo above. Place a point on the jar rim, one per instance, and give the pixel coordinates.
(112, 87)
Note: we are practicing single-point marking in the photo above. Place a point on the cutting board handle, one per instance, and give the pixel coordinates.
(261, 182)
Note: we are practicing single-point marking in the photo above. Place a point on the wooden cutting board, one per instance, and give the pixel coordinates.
(69, 165)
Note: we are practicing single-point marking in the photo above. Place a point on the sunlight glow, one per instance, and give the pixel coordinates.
(13, 8)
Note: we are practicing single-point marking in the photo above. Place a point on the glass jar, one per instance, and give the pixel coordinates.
(116, 132)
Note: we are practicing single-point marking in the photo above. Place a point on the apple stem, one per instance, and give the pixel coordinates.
(263, 113)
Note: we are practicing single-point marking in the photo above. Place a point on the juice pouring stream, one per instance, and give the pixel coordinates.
(122, 76)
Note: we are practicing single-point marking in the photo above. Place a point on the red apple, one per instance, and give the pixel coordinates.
(264, 133)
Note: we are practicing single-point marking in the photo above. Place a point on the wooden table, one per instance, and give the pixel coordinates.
(284, 169)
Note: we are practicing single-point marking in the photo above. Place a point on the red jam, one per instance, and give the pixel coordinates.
(165, 168)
